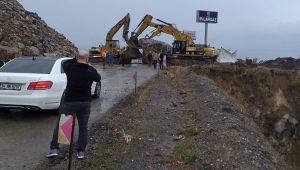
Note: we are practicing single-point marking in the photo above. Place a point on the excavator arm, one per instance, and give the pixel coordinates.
(171, 30)
(123, 22)
(144, 24)
(166, 28)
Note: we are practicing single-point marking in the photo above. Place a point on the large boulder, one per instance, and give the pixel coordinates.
(7, 53)
(149, 45)
(286, 127)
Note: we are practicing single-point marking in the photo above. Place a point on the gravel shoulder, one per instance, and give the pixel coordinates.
(178, 120)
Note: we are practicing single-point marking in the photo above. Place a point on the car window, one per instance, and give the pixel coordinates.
(41, 66)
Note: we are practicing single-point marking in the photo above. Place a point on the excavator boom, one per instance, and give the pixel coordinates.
(159, 28)
(123, 22)
(144, 24)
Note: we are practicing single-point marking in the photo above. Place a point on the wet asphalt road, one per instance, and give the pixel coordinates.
(25, 136)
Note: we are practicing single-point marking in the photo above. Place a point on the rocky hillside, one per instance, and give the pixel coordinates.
(25, 33)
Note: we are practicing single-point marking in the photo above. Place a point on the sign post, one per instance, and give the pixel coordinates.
(205, 37)
(206, 17)
(66, 133)
(71, 143)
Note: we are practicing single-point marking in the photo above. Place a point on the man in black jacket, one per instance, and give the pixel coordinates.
(77, 99)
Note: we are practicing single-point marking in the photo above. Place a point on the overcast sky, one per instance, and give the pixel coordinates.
(256, 28)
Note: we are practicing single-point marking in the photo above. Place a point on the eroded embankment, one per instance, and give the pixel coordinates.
(271, 96)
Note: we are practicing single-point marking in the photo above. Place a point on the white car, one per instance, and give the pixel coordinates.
(35, 83)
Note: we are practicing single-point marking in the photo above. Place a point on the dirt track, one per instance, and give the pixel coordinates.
(178, 121)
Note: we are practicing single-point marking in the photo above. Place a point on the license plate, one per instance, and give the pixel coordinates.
(10, 86)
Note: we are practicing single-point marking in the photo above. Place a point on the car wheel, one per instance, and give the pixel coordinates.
(97, 90)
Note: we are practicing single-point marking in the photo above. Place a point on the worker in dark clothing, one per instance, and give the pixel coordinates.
(168, 57)
(149, 57)
(123, 59)
(161, 59)
(154, 59)
(77, 99)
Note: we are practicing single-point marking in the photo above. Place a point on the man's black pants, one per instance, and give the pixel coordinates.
(82, 110)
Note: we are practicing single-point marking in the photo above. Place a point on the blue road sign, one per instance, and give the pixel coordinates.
(207, 16)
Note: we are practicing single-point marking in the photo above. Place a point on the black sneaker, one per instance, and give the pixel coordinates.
(52, 153)
(80, 155)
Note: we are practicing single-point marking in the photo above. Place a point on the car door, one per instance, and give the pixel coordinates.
(59, 79)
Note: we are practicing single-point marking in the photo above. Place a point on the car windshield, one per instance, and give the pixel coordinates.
(28, 65)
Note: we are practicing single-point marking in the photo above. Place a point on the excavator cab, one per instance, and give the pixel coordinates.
(179, 47)
(113, 43)
(113, 46)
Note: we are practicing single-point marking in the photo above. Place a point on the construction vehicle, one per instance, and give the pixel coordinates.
(124, 54)
(112, 45)
(183, 45)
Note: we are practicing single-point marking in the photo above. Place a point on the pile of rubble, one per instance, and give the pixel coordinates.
(283, 63)
(149, 45)
(25, 33)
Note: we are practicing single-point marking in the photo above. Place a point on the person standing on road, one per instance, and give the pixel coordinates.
(161, 60)
(123, 58)
(76, 99)
(149, 56)
(103, 55)
(168, 56)
(165, 61)
(154, 59)
(110, 58)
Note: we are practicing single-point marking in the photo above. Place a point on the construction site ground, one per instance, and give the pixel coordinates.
(178, 120)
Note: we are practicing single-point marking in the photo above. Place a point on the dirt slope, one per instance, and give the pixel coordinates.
(270, 96)
(178, 121)
(25, 33)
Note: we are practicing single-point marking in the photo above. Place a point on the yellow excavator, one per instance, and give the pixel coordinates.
(112, 45)
(123, 54)
(183, 45)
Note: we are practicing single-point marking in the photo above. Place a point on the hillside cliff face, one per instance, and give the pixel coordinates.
(25, 33)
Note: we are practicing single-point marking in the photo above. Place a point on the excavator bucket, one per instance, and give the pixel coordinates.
(133, 42)
(133, 53)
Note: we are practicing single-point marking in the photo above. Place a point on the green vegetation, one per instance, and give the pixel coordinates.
(100, 161)
(266, 89)
(296, 83)
(191, 132)
(185, 151)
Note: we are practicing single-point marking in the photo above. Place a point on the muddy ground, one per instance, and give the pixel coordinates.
(179, 120)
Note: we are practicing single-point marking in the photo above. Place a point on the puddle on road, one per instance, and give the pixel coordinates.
(116, 84)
